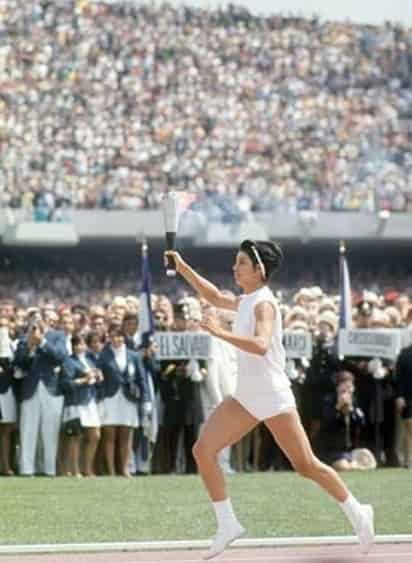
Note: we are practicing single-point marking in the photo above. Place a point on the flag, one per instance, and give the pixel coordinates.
(145, 308)
(146, 437)
(345, 311)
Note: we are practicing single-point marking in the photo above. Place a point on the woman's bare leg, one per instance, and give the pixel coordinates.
(228, 423)
(5, 434)
(125, 440)
(291, 437)
(109, 438)
(74, 454)
(92, 437)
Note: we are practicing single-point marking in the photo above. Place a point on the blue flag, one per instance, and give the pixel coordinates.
(145, 309)
(147, 435)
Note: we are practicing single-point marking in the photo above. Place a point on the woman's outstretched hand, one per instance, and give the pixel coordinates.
(177, 259)
(211, 324)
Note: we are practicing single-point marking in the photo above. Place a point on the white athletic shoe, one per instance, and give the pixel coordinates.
(224, 537)
(365, 530)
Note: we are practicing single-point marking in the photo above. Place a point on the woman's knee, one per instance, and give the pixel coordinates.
(202, 450)
(92, 435)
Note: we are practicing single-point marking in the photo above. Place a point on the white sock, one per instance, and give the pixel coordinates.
(352, 508)
(224, 512)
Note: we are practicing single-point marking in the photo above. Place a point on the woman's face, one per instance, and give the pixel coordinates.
(80, 348)
(246, 274)
(96, 345)
(116, 340)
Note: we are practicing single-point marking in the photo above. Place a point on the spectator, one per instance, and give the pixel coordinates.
(342, 421)
(80, 381)
(125, 387)
(103, 104)
(38, 355)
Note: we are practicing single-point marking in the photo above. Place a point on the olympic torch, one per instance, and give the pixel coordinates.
(171, 220)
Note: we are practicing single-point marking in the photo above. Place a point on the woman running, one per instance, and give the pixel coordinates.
(263, 392)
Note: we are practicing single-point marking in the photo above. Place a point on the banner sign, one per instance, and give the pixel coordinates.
(182, 345)
(297, 344)
(186, 345)
(381, 343)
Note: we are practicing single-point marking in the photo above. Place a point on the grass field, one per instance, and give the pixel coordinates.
(274, 504)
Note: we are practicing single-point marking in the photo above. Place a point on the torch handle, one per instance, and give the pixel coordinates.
(170, 245)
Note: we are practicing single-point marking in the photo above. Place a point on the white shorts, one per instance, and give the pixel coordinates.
(267, 405)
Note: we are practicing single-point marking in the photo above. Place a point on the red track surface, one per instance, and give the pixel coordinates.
(383, 553)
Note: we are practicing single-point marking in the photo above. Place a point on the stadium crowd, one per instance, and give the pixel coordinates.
(36, 285)
(103, 105)
(83, 392)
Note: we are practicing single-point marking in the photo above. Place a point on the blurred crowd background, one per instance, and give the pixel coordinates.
(103, 105)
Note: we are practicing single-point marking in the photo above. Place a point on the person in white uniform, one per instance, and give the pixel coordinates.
(221, 378)
(263, 392)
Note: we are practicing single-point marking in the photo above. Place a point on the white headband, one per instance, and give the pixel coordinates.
(259, 260)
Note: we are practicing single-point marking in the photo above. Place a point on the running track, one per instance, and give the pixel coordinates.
(381, 553)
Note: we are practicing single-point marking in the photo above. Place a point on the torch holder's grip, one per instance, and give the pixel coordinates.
(170, 245)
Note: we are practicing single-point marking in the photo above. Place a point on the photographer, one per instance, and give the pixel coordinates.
(341, 424)
(39, 355)
(8, 411)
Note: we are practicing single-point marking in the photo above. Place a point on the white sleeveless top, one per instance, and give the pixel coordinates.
(259, 375)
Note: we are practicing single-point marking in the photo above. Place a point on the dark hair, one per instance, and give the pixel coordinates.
(78, 308)
(78, 338)
(268, 252)
(94, 334)
(343, 377)
(115, 330)
(130, 317)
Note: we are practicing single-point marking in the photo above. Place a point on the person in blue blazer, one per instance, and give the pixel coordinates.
(126, 393)
(80, 381)
(95, 344)
(38, 359)
(96, 341)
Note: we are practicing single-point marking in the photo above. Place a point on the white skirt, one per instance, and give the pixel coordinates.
(88, 414)
(119, 411)
(8, 407)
